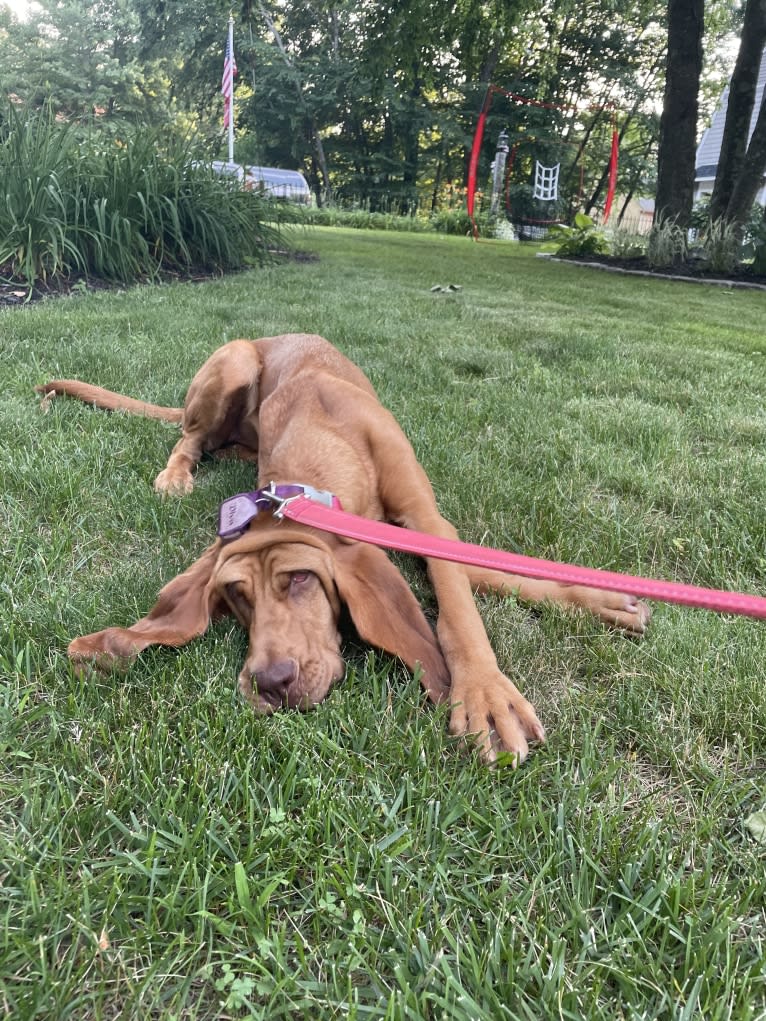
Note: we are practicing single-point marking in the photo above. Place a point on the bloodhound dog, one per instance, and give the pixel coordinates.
(309, 416)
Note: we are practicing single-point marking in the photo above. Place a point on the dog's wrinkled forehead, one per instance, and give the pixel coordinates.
(257, 539)
(301, 549)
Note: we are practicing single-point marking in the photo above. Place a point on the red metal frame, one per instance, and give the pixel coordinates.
(479, 135)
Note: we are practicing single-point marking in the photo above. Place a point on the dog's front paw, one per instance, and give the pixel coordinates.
(496, 717)
(174, 482)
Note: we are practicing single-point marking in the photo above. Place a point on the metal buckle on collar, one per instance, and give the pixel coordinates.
(280, 496)
(238, 511)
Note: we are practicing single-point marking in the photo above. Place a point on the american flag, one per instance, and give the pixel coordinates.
(227, 84)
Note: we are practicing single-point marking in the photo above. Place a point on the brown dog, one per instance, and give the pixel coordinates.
(311, 417)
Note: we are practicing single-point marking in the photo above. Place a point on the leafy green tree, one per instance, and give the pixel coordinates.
(358, 80)
(82, 59)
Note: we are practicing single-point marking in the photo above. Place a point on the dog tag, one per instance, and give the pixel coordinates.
(235, 515)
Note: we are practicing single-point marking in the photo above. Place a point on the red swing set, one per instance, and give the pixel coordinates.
(546, 177)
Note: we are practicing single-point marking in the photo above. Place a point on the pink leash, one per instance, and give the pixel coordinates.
(339, 522)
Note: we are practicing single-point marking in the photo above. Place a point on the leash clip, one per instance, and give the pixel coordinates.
(237, 512)
(280, 502)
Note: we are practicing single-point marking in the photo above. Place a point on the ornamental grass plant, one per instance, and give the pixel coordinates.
(121, 208)
(165, 854)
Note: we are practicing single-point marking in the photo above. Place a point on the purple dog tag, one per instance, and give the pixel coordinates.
(236, 514)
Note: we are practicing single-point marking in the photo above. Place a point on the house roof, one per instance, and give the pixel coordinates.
(709, 148)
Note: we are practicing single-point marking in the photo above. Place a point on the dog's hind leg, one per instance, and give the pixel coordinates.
(617, 609)
(220, 409)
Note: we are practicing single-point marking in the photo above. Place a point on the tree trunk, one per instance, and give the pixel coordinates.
(438, 179)
(653, 70)
(411, 140)
(678, 123)
(321, 161)
(624, 209)
(739, 111)
(602, 181)
(490, 63)
(485, 79)
(750, 177)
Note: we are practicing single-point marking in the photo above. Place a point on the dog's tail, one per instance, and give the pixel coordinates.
(107, 399)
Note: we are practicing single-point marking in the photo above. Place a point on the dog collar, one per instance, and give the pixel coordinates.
(238, 511)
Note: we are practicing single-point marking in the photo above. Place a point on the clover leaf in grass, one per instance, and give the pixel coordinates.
(756, 823)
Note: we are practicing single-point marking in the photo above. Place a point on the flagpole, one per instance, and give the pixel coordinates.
(231, 100)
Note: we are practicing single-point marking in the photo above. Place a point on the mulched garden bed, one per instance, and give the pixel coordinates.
(16, 292)
(688, 271)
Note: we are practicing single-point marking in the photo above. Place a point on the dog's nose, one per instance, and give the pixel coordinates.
(273, 680)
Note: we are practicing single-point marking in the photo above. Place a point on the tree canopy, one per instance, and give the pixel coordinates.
(374, 100)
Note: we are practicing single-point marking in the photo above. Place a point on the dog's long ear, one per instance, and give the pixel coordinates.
(386, 613)
(183, 611)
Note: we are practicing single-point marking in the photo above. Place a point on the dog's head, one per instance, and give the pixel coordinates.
(286, 585)
(281, 587)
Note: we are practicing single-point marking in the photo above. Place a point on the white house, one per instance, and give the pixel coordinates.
(710, 145)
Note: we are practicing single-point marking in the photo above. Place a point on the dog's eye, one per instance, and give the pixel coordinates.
(300, 577)
(237, 601)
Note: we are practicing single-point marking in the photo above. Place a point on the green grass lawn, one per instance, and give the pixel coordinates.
(166, 854)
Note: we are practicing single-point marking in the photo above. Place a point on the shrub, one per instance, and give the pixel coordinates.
(757, 240)
(356, 218)
(700, 214)
(747, 243)
(505, 231)
(122, 209)
(457, 221)
(583, 238)
(445, 221)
